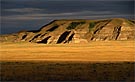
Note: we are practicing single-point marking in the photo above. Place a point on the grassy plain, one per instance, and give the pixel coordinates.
(96, 61)
(94, 51)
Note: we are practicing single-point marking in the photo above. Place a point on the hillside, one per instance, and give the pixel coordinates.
(77, 31)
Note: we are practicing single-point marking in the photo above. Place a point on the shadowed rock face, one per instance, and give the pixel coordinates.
(77, 31)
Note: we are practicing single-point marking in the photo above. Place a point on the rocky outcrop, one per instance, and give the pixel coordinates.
(77, 31)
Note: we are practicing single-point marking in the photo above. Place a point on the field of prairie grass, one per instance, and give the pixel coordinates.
(96, 61)
(94, 51)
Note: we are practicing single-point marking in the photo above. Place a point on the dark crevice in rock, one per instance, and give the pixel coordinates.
(119, 29)
(63, 36)
(98, 30)
(92, 38)
(45, 40)
(116, 32)
(71, 37)
(105, 38)
(43, 35)
(53, 28)
(23, 37)
(34, 37)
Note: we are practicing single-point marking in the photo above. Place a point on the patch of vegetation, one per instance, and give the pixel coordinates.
(92, 25)
(73, 25)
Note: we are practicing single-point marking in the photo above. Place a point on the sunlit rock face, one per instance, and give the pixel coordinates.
(77, 31)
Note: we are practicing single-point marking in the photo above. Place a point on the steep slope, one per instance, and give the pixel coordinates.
(78, 31)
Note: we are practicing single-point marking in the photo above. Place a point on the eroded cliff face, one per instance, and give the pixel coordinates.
(77, 31)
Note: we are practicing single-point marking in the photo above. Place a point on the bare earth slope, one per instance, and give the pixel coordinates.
(77, 31)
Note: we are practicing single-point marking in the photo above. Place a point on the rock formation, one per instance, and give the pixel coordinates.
(77, 31)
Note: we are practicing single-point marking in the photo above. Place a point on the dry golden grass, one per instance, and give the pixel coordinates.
(94, 51)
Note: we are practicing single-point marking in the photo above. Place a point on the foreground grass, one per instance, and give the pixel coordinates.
(94, 51)
(96, 61)
(67, 71)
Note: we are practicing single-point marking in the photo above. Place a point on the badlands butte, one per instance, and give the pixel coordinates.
(76, 31)
(71, 50)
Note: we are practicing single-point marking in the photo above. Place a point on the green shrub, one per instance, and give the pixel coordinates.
(91, 25)
(73, 25)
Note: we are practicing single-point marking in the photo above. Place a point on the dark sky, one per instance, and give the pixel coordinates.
(19, 15)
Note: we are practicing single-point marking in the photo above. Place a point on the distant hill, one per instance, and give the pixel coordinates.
(77, 31)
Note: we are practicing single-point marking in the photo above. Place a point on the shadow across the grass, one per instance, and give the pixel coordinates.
(67, 71)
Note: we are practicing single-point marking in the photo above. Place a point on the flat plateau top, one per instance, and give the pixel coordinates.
(99, 51)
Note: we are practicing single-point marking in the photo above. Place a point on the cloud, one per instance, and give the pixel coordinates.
(71, 13)
(25, 10)
(38, 16)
